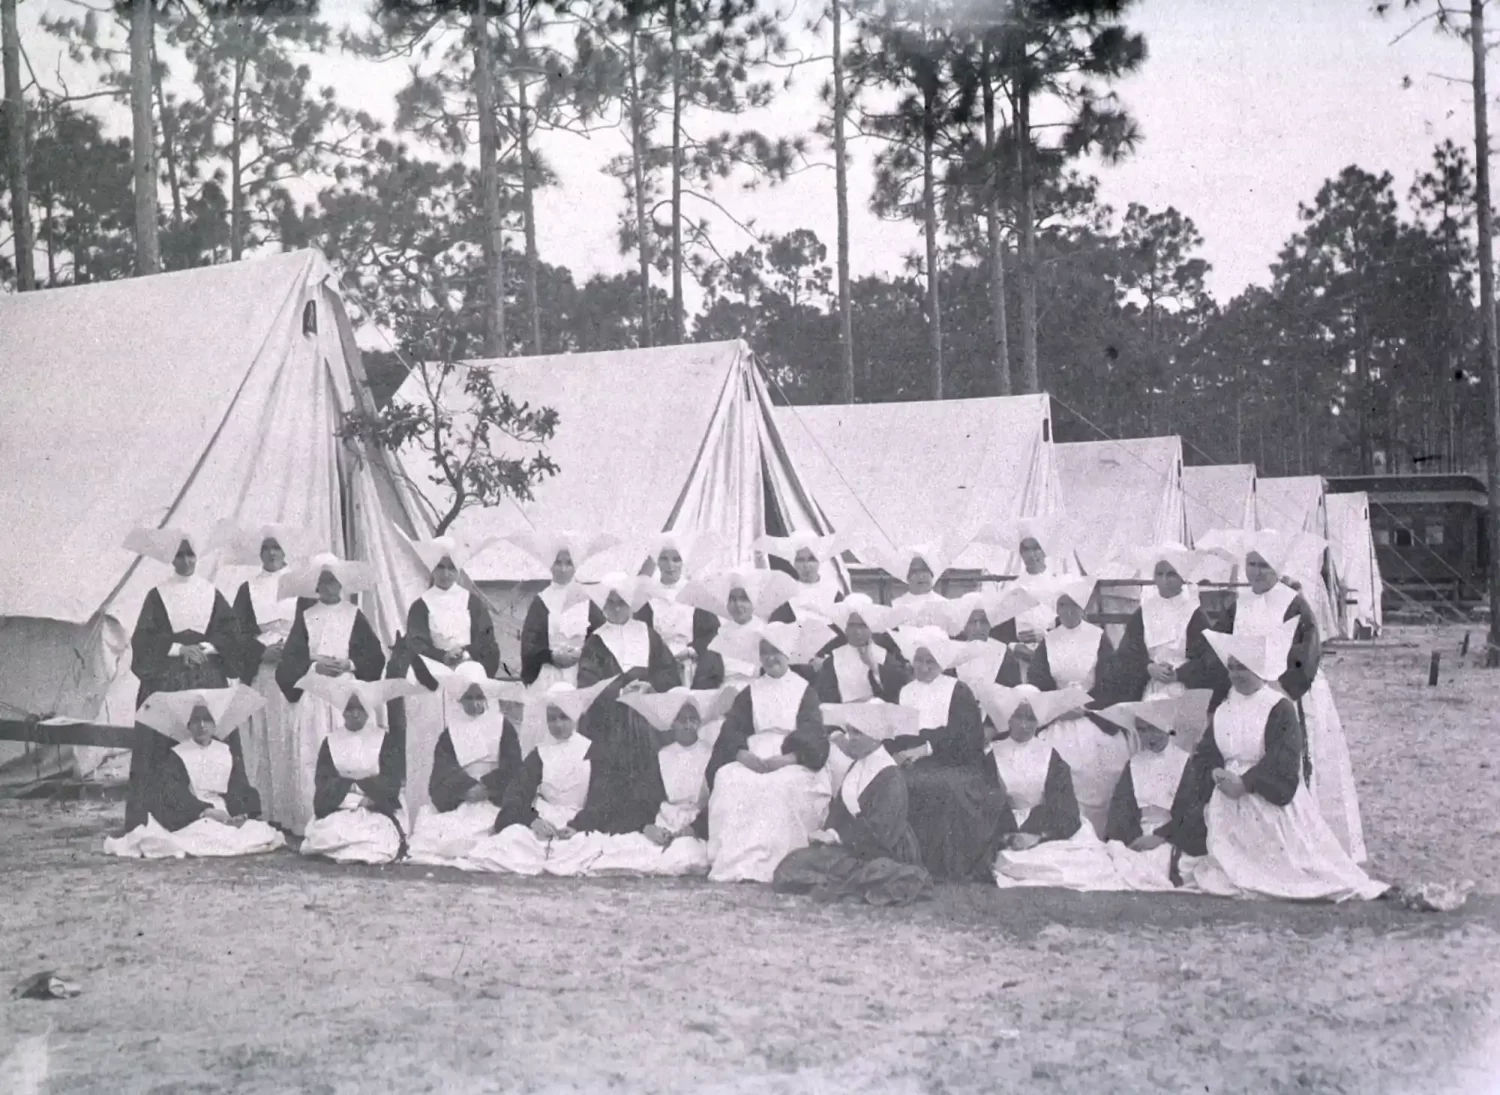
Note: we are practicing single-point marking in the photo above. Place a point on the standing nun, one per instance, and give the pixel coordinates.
(1163, 652)
(1038, 546)
(264, 619)
(812, 558)
(184, 638)
(1243, 801)
(686, 630)
(919, 567)
(330, 637)
(1259, 610)
(740, 599)
(558, 618)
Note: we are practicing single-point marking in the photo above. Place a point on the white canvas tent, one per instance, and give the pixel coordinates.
(674, 437)
(1296, 503)
(1220, 496)
(1354, 556)
(1122, 494)
(182, 398)
(896, 474)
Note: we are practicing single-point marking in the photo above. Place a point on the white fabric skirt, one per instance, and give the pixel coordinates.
(274, 763)
(517, 850)
(1258, 849)
(635, 854)
(310, 720)
(1333, 772)
(202, 838)
(424, 725)
(444, 840)
(1096, 758)
(756, 819)
(1083, 862)
(352, 836)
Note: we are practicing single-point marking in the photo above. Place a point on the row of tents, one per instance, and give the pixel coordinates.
(191, 397)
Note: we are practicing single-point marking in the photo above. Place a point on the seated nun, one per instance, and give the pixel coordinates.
(673, 844)
(864, 663)
(768, 778)
(973, 619)
(812, 558)
(1077, 654)
(551, 806)
(1243, 802)
(561, 616)
(264, 619)
(476, 756)
(1165, 730)
(740, 599)
(358, 812)
(199, 802)
(866, 849)
(686, 630)
(1163, 652)
(184, 638)
(955, 810)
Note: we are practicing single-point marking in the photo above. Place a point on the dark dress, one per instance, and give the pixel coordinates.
(1130, 670)
(449, 785)
(1302, 667)
(536, 638)
(1056, 817)
(886, 682)
(173, 804)
(383, 789)
(364, 651)
(482, 645)
(160, 671)
(608, 807)
(877, 858)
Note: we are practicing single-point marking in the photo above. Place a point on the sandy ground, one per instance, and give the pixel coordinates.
(278, 975)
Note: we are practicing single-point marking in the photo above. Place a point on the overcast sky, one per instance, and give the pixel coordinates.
(1246, 107)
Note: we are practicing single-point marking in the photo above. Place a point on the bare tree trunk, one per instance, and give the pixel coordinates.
(143, 137)
(1026, 220)
(841, 195)
(236, 166)
(1487, 306)
(638, 157)
(169, 147)
(489, 185)
(16, 139)
(528, 189)
(677, 306)
(999, 322)
(929, 224)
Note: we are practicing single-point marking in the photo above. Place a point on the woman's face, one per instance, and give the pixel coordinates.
(1243, 678)
(686, 725)
(669, 563)
(1068, 612)
(272, 557)
(1152, 738)
(1168, 581)
(474, 702)
(977, 627)
(562, 568)
(201, 725)
(445, 573)
(559, 725)
(616, 610)
(1022, 724)
(919, 577)
(1032, 556)
(858, 632)
(330, 589)
(808, 568)
(741, 611)
(355, 716)
(772, 661)
(925, 666)
(186, 560)
(1260, 574)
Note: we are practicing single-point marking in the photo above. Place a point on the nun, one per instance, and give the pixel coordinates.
(1244, 803)
(474, 760)
(358, 812)
(332, 638)
(866, 848)
(974, 619)
(919, 567)
(560, 617)
(740, 599)
(811, 557)
(954, 809)
(673, 845)
(200, 802)
(864, 663)
(1163, 652)
(686, 630)
(768, 778)
(1076, 655)
(1038, 546)
(449, 623)
(1037, 781)
(1269, 601)
(264, 618)
(552, 805)
(184, 638)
